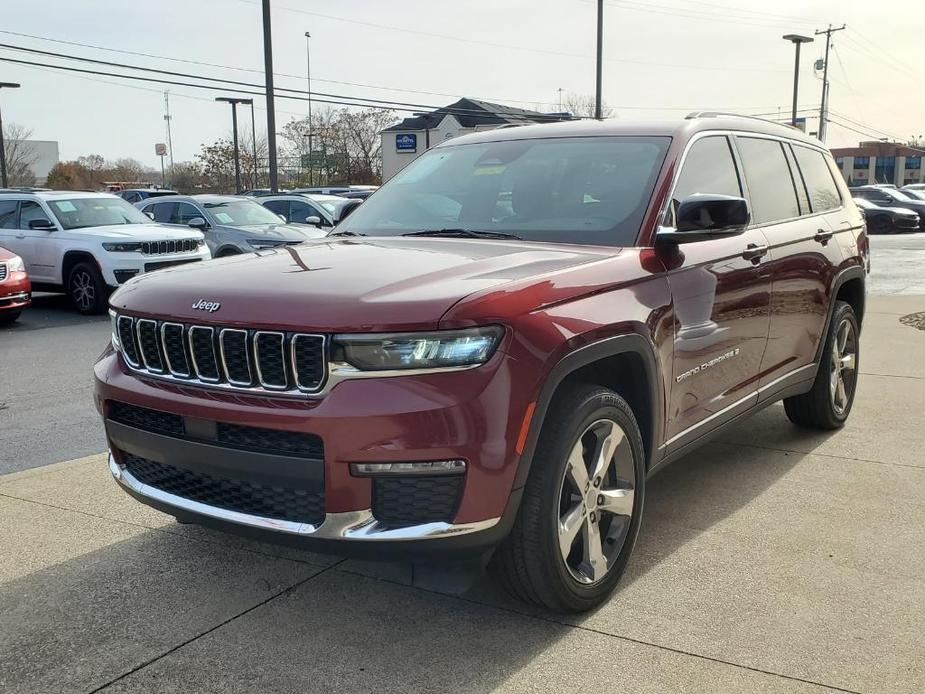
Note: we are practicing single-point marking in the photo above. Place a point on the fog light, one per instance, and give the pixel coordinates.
(123, 276)
(430, 467)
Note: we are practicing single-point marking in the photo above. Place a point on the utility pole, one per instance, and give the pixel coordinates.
(254, 139)
(167, 120)
(271, 109)
(598, 105)
(823, 108)
(308, 72)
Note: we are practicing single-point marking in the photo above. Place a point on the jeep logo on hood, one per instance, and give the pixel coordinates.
(210, 306)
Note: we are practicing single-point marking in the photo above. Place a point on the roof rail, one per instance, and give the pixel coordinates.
(727, 114)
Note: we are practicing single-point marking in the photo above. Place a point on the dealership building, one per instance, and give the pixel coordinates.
(404, 142)
(880, 162)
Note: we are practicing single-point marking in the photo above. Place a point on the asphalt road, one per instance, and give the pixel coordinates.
(46, 409)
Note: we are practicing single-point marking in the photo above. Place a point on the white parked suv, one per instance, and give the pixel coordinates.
(87, 244)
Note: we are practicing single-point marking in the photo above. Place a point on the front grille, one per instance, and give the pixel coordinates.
(166, 247)
(228, 357)
(240, 436)
(266, 501)
(403, 501)
(3, 271)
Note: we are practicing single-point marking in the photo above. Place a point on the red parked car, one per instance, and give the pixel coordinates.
(15, 288)
(489, 358)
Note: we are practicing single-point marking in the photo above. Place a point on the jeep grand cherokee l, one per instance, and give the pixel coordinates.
(492, 355)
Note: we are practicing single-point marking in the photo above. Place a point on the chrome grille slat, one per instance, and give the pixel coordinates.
(165, 247)
(230, 358)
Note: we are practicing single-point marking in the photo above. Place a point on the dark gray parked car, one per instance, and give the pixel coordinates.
(887, 220)
(231, 224)
(890, 197)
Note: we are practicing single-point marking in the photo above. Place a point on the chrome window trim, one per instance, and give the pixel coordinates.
(131, 322)
(350, 525)
(173, 371)
(247, 356)
(282, 354)
(295, 364)
(192, 352)
(157, 345)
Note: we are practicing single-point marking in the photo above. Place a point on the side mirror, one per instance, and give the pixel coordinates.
(42, 224)
(702, 217)
(150, 215)
(198, 223)
(313, 220)
(283, 217)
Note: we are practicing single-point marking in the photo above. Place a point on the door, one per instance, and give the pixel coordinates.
(40, 245)
(721, 298)
(804, 254)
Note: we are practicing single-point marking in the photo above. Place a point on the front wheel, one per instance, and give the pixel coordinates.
(87, 290)
(582, 504)
(7, 317)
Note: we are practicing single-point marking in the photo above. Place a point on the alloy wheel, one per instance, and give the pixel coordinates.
(83, 290)
(843, 366)
(596, 501)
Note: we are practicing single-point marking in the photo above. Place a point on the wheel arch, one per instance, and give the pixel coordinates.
(848, 286)
(623, 363)
(71, 258)
(227, 250)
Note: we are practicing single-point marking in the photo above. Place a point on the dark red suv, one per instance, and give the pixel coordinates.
(493, 353)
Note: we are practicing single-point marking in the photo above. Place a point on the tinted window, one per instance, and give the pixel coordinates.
(823, 195)
(8, 214)
(302, 210)
(163, 212)
(279, 207)
(708, 168)
(770, 186)
(183, 213)
(28, 211)
(588, 190)
(802, 195)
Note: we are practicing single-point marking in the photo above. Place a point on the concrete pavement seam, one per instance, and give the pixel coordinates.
(208, 631)
(823, 455)
(550, 620)
(870, 373)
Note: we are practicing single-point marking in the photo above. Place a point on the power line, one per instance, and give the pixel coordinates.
(784, 17)
(667, 10)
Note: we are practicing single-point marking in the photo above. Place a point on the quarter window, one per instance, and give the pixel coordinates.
(708, 168)
(823, 195)
(770, 185)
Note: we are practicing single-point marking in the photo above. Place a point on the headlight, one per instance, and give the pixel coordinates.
(115, 331)
(122, 247)
(264, 243)
(388, 351)
(15, 264)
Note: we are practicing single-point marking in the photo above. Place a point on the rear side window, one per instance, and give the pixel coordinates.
(8, 214)
(771, 190)
(823, 195)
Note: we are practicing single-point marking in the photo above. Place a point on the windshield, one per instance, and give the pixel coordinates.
(77, 213)
(913, 194)
(241, 213)
(586, 190)
(862, 202)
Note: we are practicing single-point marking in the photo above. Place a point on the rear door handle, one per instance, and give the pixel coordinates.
(823, 236)
(754, 252)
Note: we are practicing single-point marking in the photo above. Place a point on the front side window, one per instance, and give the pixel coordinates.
(278, 207)
(79, 213)
(585, 190)
(708, 169)
(28, 211)
(163, 211)
(823, 194)
(184, 213)
(302, 211)
(771, 190)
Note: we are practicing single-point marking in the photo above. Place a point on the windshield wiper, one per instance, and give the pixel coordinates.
(463, 234)
(346, 233)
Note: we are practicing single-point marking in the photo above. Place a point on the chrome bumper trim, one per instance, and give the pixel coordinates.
(351, 525)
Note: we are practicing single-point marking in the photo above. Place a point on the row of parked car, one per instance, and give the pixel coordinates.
(87, 244)
(891, 210)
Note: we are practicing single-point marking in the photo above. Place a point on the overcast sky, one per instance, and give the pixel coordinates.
(662, 59)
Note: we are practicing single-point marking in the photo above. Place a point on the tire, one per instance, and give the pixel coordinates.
(881, 224)
(529, 562)
(826, 406)
(87, 290)
(7, 317)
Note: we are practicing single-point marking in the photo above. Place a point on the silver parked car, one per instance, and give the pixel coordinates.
(322, 211)
(231, 224)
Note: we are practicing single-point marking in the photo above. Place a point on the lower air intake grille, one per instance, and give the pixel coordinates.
(143, 418)
(295, 505)
(401, 501)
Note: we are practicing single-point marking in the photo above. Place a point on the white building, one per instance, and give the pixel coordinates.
(42, 156)
(404, 142)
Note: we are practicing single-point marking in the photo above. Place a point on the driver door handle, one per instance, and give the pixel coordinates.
(823, 235)
(754, 252)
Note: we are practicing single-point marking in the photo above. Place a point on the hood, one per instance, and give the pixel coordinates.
(283, 232)
(349, 284)
(135, 232)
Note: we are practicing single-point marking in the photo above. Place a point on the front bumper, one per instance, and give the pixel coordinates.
(15, 292)
(465, 415)
(124, 266)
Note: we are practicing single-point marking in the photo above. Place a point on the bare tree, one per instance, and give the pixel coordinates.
(583, 106)
(20, 156)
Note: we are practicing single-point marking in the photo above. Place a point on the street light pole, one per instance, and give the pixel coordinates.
(598, 105)
(797, 41)
(254, 138)
(308, 72)
(234, 127)
(271, 109)
(8, 85)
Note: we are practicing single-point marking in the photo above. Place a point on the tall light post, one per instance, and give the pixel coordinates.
(254, 138)
(308, 72)
(271, 106)
(598, 102)
(234, 127)
(8, 85)
(797, 41)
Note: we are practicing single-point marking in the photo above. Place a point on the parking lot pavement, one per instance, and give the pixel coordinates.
(896, 264)
(773, 560)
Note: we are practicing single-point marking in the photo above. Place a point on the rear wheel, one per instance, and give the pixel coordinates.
(87, 290)
(829, 402)
(582, 505)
